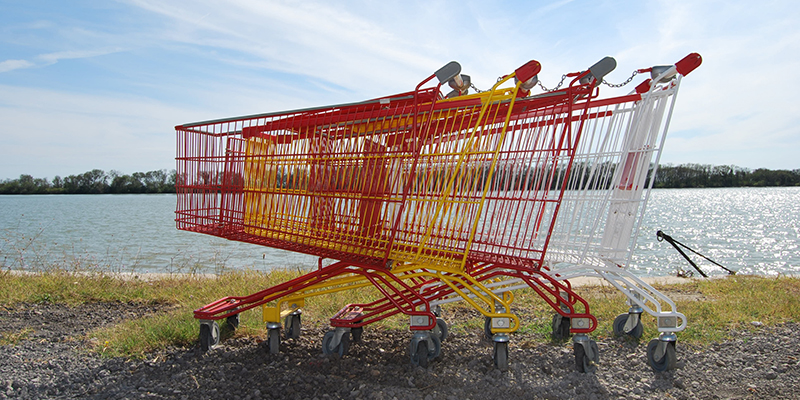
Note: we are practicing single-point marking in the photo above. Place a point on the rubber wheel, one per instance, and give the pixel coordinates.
(437, 348)
(420, 356)
(582, 362)
(619, 327)
(232, 322)
(292, 326)
(501, 356)
(209, 336)
(560, 327)
(441, 330)
(357, 332)
(274, 339)
(340, 349)
(667, 362)
(421, 353)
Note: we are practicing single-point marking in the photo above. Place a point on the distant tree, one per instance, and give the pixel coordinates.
(427, 179)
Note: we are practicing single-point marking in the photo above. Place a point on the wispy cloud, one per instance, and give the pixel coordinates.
(52, 58)
(10, 65)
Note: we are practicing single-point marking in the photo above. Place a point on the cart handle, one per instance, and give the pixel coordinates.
(667, 72)
(448, 72)
(689, 63)
(599, 70)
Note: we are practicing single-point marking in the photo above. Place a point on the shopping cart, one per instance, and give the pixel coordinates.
(422, 197)
(605, 201)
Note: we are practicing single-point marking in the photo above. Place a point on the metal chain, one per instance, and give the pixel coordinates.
(619, 85)
(555, 88)
(472, 85)
(563, 77)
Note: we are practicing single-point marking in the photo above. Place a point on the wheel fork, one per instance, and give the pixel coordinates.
(664, 340)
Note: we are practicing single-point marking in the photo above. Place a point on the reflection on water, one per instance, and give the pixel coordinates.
(753, 230)
(121, 233)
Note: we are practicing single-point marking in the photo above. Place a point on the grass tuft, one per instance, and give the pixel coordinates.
(13, 338)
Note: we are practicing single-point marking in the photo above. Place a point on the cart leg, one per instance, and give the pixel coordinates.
(209, 334)
(587, 355)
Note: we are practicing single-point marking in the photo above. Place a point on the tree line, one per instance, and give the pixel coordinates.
(707, 176)
(95, 181)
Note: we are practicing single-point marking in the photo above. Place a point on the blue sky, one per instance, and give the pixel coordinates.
(101, 84)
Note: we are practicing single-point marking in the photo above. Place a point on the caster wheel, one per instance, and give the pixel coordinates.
(340, 349)
(209, 335)
(441, 330)
(232, 322)
(501, 356)
(560, 327)
(437, 348)
(291, 326)
(274, 340)
(667, 361)
(487, 328)
(357, 332)
(619, 327)
(583, 362)
(424, 351)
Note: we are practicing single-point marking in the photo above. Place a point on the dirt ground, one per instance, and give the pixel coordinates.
(54, 361)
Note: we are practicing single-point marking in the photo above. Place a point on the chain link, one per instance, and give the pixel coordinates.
(472, 85)
(619, 85)
(555, 88)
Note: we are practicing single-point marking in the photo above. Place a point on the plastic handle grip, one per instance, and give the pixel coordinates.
(688, 63)
(449, 71)
(528, 70)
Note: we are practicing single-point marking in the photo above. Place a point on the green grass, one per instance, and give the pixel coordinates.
(713, 307)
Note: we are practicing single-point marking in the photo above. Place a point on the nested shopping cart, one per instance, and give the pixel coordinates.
(605, 202)
(429, 199)
(421, 196)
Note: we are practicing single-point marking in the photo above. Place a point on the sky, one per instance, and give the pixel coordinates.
(102, 84)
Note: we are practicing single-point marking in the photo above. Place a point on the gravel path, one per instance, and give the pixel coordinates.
(53, 362)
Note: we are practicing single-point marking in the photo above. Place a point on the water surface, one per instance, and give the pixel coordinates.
(753, 230)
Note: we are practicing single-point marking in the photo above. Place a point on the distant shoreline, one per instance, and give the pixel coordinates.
(97, 181)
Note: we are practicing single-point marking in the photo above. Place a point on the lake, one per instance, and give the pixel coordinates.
(751, 230)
